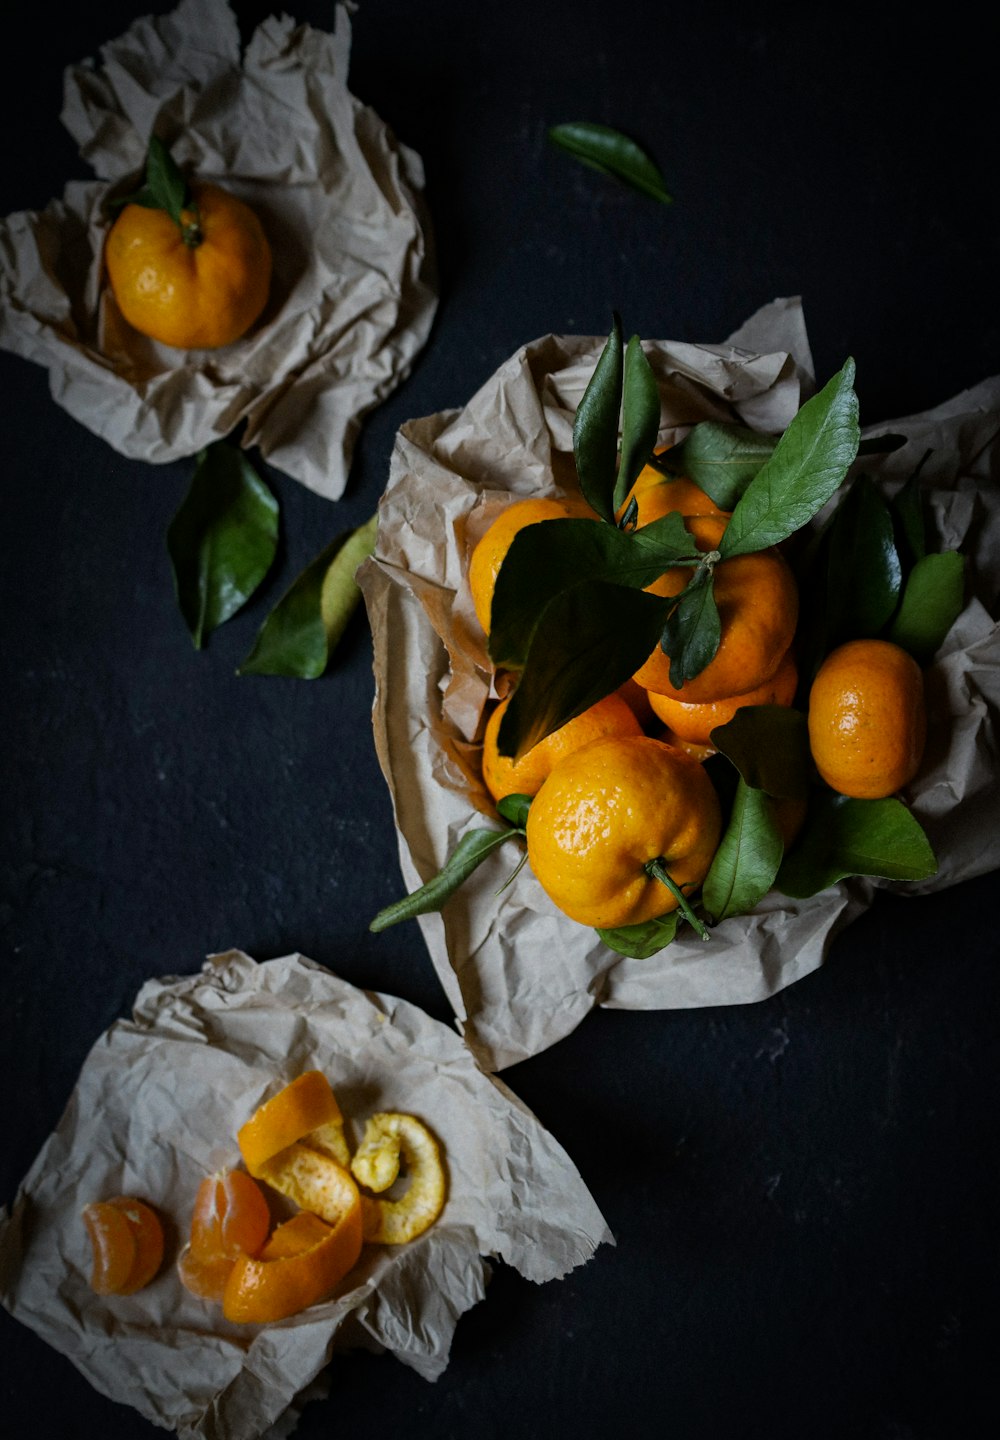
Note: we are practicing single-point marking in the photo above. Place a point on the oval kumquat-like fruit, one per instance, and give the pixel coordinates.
(867, 719)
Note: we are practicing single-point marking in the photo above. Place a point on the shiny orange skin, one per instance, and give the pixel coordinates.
(608, 809)
(758, 602)
(126, 1238)
(491, 548)
(695, 723)
(190, 297)
(867, 719)
(505, 776)
(657, 495)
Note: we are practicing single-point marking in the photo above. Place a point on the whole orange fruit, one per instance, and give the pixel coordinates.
(758, 602)
(194, 286)
(695, 723)
(867, 719)
(505, 776)
(490, 550)
(607, 811)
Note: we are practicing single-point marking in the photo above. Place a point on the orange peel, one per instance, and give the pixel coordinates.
(305, 1104)
(391, 1137)
(304, 1260)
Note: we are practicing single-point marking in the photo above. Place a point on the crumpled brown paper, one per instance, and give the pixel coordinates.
(157, 1106)
(352, 298)
(520, 975)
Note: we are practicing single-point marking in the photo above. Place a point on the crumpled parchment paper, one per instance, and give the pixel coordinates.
(353, 294)
(519, 975)
(157, 1106)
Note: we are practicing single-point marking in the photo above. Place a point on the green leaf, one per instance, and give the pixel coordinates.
(552, 555)
(808, 464)
(748, 857)
(864, 574)
(769, 745)
(589, 640)
(721, 459)
(514, 809)
(164, 180)
(595, 428)
(932, 601)
(844, 837)
(302, 631)
(909, 514)
(692, 630)
(640, 419)
(613, 154)
(639, 942)
(222, 539)
(469, 853)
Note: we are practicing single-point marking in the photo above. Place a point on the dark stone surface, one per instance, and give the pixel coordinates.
(803, 1192)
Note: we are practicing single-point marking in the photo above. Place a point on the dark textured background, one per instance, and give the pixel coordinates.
(804, 1192)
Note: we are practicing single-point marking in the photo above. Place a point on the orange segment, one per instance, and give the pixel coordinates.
(303, 1261)
(231, 1218)
(305, 1104)
(126, 1237)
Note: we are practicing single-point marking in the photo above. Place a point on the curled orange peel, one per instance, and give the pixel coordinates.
(390, 1137)
(304, 1260)
(305, 1104)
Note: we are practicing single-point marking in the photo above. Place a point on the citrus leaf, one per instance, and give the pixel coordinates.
(595, 428)
(909, 515)
(514, 809)
(467, 855)
(222, 540)
(721, 459)
(932, 602)
(552, 555)
(809, 462)
(640, 419)
(748, 857)
(588, 640)
(639, 942)
(692, 630)
(864, 574)
(613, 154)
(302, 631)
(844, 837)
(769, 745)
(164, 181)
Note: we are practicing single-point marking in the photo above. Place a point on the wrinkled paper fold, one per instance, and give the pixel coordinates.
(353, 293)
(519, 975)
(156, 1108)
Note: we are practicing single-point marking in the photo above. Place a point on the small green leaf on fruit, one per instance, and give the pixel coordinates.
(769, 745)
(222, 540)
(932, 601)
(468, 855)
(845, 837)
(721, 459)
(864, 574)
(692, 630)
(808, 464)
(595, 428)
(748, 857)
(640, 942)
(640, 419)
(614, 154)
